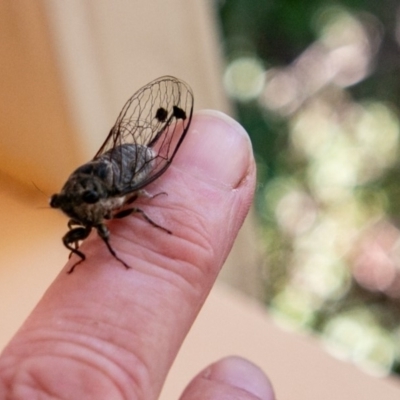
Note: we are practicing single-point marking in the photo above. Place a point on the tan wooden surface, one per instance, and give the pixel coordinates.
(298, 366)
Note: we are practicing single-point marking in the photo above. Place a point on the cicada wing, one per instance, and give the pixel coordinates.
(157, 117)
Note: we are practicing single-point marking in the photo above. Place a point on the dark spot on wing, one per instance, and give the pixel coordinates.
(179, 113)
(161, 114)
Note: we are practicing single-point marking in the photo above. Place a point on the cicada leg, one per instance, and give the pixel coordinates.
(104, 233)
(129, 211)
(142, 193)
(71, 242)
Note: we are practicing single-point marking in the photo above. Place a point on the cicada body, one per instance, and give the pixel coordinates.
(139, 148)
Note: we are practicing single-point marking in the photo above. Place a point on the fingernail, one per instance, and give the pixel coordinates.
(242, 374)
(216, 148)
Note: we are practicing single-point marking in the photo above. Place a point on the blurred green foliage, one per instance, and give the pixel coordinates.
(325, 128)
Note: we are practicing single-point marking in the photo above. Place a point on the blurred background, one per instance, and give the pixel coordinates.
(316, 84)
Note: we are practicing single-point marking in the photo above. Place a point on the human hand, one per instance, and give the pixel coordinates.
(105, 332)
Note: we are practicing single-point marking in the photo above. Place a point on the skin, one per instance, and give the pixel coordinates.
(105, 332)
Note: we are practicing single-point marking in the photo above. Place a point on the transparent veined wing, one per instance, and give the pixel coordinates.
(148, 132)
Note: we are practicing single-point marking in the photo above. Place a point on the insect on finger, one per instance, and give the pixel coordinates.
(139, 148)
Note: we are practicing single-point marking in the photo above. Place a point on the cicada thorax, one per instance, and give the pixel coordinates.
(127, 166)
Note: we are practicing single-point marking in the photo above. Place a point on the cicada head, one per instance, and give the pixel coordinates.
(83, 198)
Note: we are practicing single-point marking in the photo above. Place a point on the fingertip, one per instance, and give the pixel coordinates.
(231, 377)
(217, 148)
(243, 374)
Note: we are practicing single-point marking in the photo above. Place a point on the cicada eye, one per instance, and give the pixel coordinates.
(54, 201)
(90, 196)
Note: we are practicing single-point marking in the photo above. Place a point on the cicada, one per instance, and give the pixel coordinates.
(139, 148)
